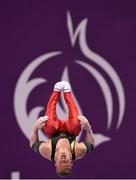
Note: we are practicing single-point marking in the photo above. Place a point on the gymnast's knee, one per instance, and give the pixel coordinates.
(75, 129)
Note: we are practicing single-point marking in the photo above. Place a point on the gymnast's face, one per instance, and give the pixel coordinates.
(64, 164)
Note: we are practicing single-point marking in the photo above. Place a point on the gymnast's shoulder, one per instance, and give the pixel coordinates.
(45, 150)
(83, 148)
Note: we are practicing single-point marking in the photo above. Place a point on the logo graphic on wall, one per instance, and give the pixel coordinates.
(25, 85)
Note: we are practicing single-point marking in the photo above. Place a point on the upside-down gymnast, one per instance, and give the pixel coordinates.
(61, 146)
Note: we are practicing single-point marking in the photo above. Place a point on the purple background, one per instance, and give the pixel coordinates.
(29, 29)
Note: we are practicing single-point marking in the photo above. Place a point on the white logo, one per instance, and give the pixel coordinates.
(25, 85)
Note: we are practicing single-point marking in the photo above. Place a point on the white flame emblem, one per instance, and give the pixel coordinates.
(25, 86)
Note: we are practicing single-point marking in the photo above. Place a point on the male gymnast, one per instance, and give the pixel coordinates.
(61, 146)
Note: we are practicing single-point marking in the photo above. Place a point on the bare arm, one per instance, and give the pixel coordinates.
(44, 148)
(87, 127)
(89, 135)
(88, 145)
(34, 134)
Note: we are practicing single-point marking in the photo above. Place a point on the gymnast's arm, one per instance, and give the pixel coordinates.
(88, 145)
(38, 146)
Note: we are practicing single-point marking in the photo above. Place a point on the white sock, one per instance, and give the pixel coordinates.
(58, 86)
(67, 87)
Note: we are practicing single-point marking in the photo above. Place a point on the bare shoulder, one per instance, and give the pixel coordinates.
(80, 150)
(45, 150)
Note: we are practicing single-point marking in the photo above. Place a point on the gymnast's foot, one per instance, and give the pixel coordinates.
(59, 86)
(62, 86)
(67, 87)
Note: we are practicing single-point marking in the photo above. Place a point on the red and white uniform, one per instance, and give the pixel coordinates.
(53, 124)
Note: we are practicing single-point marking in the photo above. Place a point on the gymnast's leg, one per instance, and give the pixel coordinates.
(73, 124)
(52, 125)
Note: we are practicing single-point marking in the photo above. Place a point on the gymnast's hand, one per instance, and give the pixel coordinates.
(40, 122)
(84, 122)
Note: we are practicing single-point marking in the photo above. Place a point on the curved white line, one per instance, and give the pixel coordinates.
(104, 87)
(23, 89)
(100, 138)
(92, 56)
(110, 71)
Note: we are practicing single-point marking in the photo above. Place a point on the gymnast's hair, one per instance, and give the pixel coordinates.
(63, 173)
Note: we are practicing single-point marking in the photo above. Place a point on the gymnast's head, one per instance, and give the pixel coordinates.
(63, 163)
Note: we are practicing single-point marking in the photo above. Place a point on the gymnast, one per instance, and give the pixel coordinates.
(61, 146)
